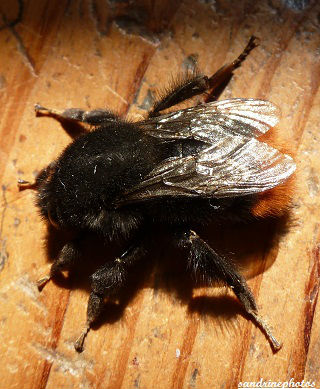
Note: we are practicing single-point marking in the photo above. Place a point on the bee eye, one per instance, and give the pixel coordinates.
(53, 219)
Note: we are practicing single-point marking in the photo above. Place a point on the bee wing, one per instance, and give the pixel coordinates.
(246, 117)
(239, 168)
(234, 163)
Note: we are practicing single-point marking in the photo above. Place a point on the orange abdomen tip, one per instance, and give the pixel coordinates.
(276, 201)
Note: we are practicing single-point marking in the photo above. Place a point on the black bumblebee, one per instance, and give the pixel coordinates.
(181, 169)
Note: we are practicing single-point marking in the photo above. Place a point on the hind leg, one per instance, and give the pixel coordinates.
(212, 267)
(67, 259)
(193, 85)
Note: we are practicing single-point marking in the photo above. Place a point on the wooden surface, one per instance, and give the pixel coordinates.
(112, 54)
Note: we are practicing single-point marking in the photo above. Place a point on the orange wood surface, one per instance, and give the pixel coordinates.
(95, 53)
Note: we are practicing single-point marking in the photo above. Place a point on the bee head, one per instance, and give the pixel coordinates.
(46, 198)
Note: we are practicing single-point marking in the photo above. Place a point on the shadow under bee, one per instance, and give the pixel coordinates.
(253, 247)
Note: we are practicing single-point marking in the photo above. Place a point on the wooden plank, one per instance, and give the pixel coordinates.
(84, 54)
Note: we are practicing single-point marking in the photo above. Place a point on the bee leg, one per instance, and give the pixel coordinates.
(106, 282)
(220, 79)
(66, 260)
(212, 267)
(95, 117)
(184, 89)
(41, 176)
(196, 84)
(23, 184)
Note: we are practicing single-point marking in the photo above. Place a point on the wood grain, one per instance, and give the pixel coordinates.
(91, 54)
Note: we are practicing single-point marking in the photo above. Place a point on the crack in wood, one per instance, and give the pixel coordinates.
(4, 255)
(311, 293)
(182, 363)
(129, 25)
(59, 316)
(94, 15)
(193, 379)
(5, 206)
(138, 80)
(26, 58)
(76, 365)
(17, 20)
(24, 52)
(29, 288)
(301, 121)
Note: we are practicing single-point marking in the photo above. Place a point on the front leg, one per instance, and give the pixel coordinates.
(212, 267)
(95, 117)
(23, 184)
(67, 259)
(106, 282)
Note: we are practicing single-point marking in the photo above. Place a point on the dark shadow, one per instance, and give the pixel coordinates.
(145, 20)
(220, 306)
(253, 248)
(94, 253)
